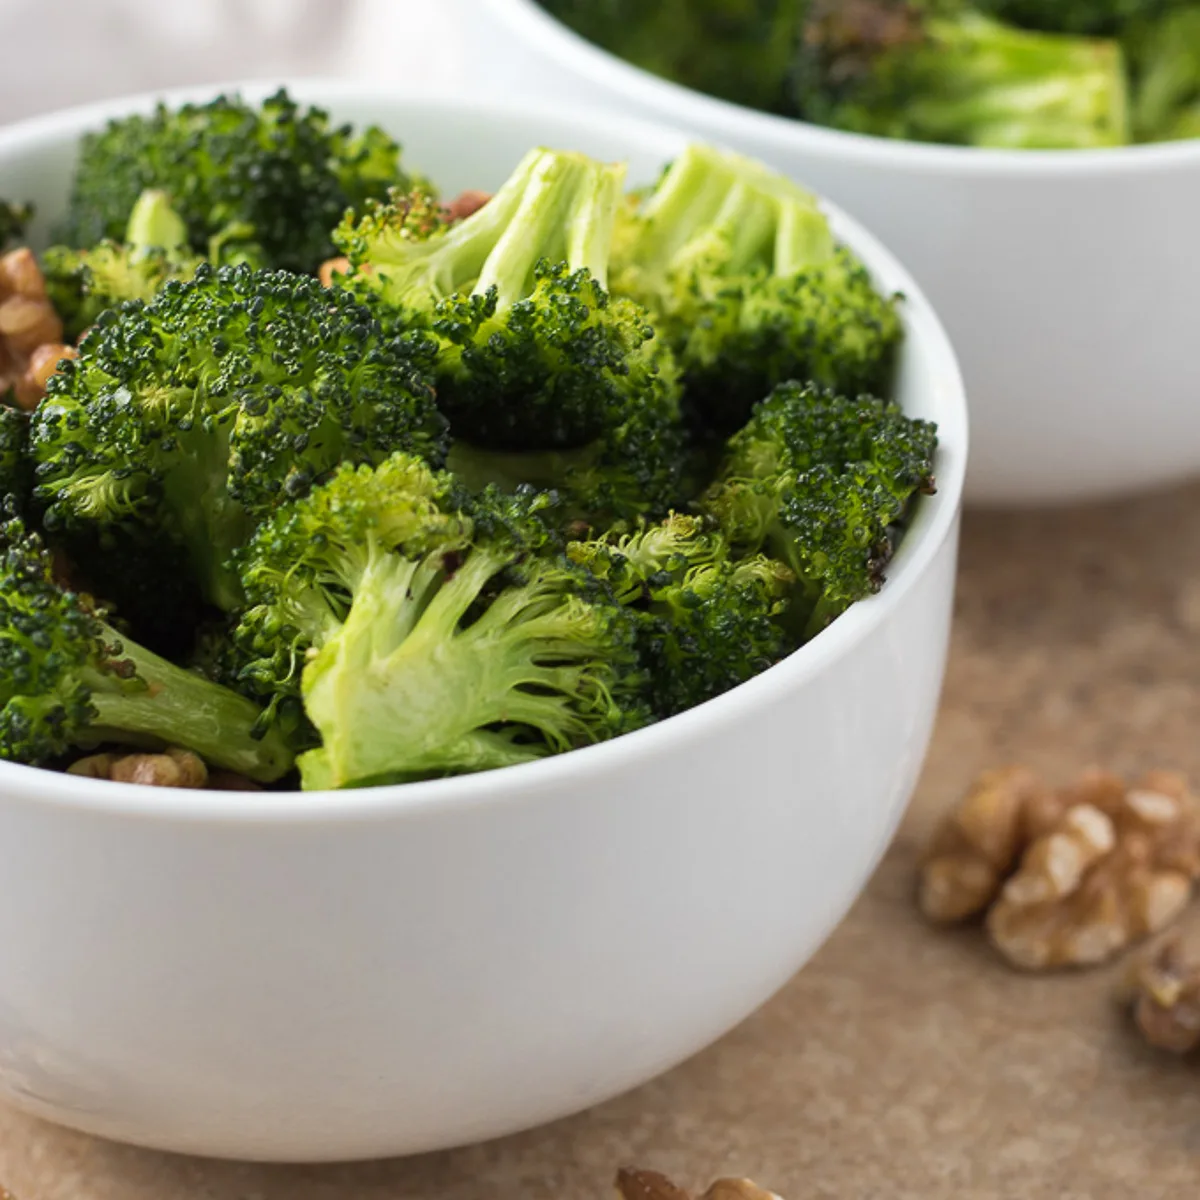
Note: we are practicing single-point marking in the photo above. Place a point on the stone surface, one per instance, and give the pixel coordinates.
(903, 1063)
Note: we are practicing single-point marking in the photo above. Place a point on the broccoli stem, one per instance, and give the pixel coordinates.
(566, 212)
(155, 225)
(986, 84)
(150, 698)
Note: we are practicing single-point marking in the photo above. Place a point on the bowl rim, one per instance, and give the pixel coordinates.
(934, 523)
(663, 99)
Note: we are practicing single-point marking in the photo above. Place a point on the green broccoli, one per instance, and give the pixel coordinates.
(1165, 57)
(1103, 18)
(187, 419)
(428, 638)
(68, 680)
(81, 284)
(276, 174)
(738, 50)
(544, 377)
(13, 220)
(16, 477)
(706, 622)
(744, 278)
(934, 70)
(822, 482)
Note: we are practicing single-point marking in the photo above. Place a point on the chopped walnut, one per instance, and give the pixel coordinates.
(466, 204)
(231, 781)
(1166, 997)
(635, 1184)
(173, 768)
(979, 843)
(31, 334)
(1117, 866)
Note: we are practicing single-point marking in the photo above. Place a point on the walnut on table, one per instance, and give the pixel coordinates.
(635, 1184)
(1164, 996)
(1117, 866)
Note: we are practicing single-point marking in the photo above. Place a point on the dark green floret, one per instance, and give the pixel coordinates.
(1105, 18)
(13, 220)
(706, 621)
(16, 475)
(69, 681)
(188, 419)
(544, 376)
(822, 482)
(430, 635)
(276, 174)
(744, 277)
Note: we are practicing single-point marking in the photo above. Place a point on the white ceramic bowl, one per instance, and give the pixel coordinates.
(1069, 281)
(342, 975)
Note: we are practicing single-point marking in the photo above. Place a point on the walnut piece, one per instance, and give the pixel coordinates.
(1166, 997)
(31, 334)
(173, 768)
(1116, 866)
(634, 1184)
(979, 843)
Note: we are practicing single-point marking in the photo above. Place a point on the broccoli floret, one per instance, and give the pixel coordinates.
(706, 622)
(82, 283)
(1104, 18)
(739, 50)
(16, 476)
(13, 220)
(277, 174)
(430, 640)
(821, 482)
(742, 273)
(1165, 57)
(933, 70)
(543, 376)
(69, 680)
(187, 419)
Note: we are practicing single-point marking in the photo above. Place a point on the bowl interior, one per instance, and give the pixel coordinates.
(465, 144)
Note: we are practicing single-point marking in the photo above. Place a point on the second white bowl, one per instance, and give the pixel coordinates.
(1069, 281)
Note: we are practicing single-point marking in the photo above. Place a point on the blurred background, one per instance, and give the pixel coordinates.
(61, 52)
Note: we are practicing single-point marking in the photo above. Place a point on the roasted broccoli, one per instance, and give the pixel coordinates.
(81, 284)
(742, 274)
(821, 482)
(13, 220)
(706, 621)
(1097, 17)
(276, 175)
(429, 638)
(187, 419)
(739, 50)
(544, 377)
(934, 70)
(68, 680)
(1165, 58)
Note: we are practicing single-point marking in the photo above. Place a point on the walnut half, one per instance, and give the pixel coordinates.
(1116, 866)
(1166, 997)
(635, 1184)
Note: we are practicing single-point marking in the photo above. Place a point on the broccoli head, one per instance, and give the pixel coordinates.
(187, 419)
(935, 70)
(81, 284)
(822, 483)
(278, 175)
(1165, 58)
(543, 375)
(68, 680)
(706, 621)
(15, 472)
(739, 50)
(1106, 18)
(743, 276)
(430, 636)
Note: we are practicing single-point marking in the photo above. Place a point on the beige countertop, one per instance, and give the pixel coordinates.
(901, 1064)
